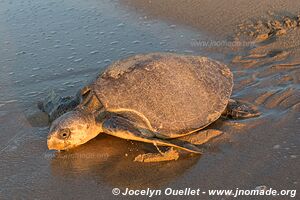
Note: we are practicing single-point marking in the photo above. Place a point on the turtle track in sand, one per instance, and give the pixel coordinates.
(269, 73)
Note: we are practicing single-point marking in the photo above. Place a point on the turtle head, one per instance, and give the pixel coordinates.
(72, 129)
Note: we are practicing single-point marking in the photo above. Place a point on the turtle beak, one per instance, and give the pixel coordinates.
(54, 144)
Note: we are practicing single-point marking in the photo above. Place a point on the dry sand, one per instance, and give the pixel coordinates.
(219, 17)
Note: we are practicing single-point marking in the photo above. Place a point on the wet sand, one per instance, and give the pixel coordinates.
(44, 48)
(263, 151)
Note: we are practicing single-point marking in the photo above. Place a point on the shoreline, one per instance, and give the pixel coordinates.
(219, 17)
(224, 22)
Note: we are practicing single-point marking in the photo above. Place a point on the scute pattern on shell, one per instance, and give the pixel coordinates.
(176, 93)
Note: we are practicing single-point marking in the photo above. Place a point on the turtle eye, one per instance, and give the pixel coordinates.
(64, 133)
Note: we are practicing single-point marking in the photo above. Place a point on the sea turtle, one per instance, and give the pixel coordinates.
(159, 98)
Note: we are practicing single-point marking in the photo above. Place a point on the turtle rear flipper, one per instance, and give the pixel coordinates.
(123, 128)
(237, 109)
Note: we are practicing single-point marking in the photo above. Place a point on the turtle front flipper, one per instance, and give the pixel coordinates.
(240, 110)
(55, 106)
(123, 128)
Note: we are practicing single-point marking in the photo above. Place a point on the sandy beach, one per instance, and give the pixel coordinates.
(219, 17)
(62, 45)
(263, 151)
